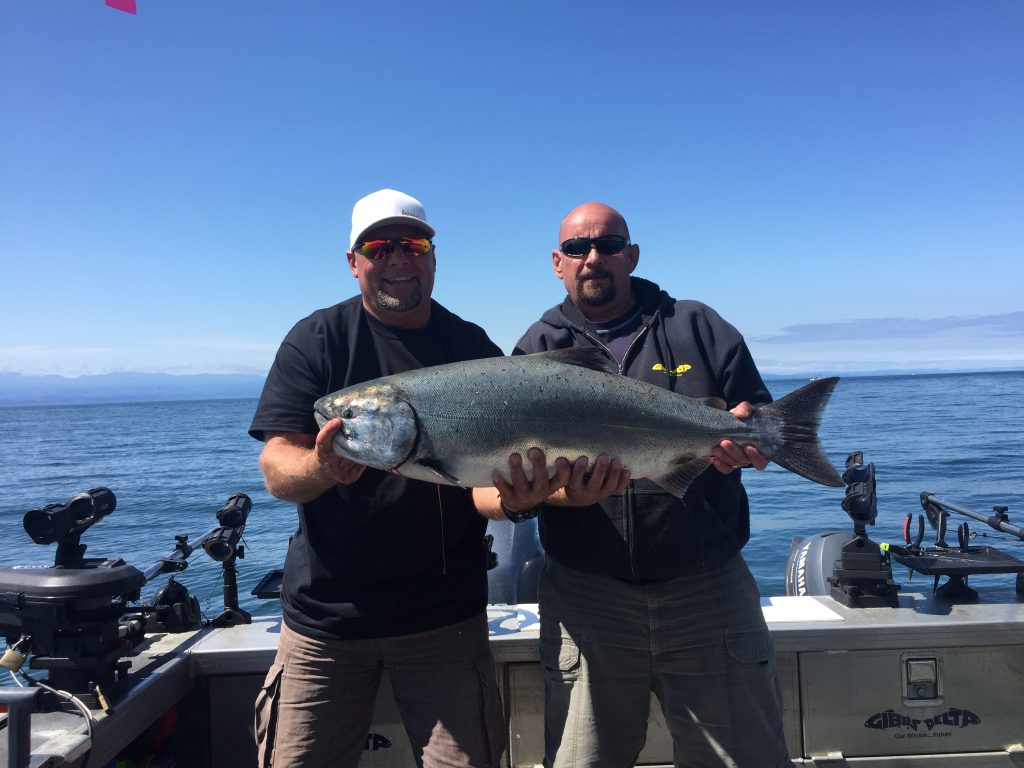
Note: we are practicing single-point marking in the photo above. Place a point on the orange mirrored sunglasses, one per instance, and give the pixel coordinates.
(381, 249)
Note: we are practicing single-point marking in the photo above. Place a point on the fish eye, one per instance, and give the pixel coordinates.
(347, 413)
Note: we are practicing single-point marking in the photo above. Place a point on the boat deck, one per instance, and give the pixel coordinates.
(927, 682)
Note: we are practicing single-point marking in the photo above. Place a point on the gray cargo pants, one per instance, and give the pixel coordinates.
(698, 642)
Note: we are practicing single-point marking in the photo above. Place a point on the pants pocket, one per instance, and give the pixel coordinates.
(559, 654)
(559, 626)
(265, 722)
(752, 647)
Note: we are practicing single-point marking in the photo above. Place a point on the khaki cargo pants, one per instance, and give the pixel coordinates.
(316, 704)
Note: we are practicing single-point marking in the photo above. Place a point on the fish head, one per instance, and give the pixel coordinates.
(378, 425)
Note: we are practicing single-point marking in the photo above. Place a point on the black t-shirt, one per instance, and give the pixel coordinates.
(386, 555)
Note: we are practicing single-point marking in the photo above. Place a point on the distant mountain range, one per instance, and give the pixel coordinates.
(22, 389)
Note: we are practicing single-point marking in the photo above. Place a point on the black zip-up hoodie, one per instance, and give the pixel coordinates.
(645, 533)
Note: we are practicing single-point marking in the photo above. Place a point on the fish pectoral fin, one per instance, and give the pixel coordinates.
(713, 402)
(678, 481)
(435, 467)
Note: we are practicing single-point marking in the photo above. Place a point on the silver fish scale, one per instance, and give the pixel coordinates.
(473, 415)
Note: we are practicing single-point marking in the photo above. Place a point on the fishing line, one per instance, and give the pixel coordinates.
(248, 549)
(440, 512)
(215, 584)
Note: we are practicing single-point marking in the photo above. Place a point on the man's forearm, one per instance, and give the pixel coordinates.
(488, 503)
(291, 471)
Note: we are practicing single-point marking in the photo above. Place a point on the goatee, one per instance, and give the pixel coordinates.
(395, 304)
(595, 294)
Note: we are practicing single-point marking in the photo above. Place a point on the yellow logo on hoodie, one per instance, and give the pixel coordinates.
(679, 370)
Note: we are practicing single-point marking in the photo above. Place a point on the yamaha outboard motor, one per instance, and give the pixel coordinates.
(852, 569)
(518, 560)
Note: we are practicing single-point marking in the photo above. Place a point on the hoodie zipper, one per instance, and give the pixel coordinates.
(628, 496)
(621, 366)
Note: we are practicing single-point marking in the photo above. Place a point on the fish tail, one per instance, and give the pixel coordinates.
(791, 424)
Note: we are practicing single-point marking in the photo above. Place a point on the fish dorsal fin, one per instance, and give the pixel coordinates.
(678, 481)
(593, 358)
(436, 468)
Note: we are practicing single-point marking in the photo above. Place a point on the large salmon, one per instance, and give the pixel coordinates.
(458, 423)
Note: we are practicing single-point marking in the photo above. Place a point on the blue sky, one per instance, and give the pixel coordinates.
(843, 181)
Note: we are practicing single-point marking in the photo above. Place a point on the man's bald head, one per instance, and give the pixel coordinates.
(589, 216)
(597, 281)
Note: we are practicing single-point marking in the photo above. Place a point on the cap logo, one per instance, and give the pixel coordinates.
(412, 213)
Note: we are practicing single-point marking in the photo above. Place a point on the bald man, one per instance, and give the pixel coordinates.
(642, 591)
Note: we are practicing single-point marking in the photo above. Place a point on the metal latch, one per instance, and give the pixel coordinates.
(830, 760)
(922, 679)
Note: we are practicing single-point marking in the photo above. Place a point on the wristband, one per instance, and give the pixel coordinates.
(518, 517)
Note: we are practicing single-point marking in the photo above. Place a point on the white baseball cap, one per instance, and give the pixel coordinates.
(386, 206)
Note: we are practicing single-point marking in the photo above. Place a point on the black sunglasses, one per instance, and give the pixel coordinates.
(606, 245)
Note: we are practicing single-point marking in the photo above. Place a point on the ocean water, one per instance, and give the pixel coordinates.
(172, 466)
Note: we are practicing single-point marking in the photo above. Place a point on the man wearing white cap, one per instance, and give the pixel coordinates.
(384, 572)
